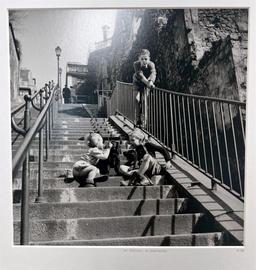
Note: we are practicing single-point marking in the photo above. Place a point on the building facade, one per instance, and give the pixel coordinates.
(14, 65)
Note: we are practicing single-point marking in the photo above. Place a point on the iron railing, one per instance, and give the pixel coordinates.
(43, 126)
(207, 132)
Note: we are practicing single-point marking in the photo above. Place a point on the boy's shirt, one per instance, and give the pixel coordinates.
(148, 72)
(151, 148)
(93, 155)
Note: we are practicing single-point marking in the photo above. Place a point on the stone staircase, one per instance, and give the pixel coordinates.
(108, 214)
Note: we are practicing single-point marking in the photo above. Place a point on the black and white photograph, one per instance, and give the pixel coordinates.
(128, 132)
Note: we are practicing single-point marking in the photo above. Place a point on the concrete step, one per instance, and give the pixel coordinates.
(63, 158)
(65, 162)
(100, 194)
(56, 183)
(194, 239)
(103, 209)
(60, 146)
(60, 152)
(74, 137)
(48, 172)
(111, 227)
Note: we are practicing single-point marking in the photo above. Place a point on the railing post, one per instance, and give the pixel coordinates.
(24, 228)
(52, 105)
(48, 115)
(40, 197)
(46, 129)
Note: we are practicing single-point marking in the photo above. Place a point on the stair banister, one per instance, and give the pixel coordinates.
(206, 132)
(22, 155)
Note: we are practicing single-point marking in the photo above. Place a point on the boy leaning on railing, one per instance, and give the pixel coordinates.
(143, 80)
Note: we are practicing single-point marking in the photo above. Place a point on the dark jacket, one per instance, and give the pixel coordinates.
(66, 92)
(151, 149)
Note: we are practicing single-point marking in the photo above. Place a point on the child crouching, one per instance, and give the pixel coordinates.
(85, 170)
(147, 165)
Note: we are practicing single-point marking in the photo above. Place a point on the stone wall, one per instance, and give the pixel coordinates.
(200, 51)
(205, 27)
(14, 66)
(216, 76)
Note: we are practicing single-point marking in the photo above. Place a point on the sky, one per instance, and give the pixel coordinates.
(40, 31)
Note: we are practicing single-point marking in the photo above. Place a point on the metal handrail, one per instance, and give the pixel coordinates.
(20, 107)
(20, 154)
(44, 120)
(190, 95)
(206, 132)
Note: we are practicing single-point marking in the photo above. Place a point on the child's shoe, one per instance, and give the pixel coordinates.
(68, 176)
(102, 178)
(124, 183)
(87, 185)
(142, 180)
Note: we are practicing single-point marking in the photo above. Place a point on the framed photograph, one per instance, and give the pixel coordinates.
(127, 135)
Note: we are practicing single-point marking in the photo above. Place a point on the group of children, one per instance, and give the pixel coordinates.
(143, 164)
(90, 169)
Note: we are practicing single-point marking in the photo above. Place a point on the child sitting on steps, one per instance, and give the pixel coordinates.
(145, 156)
(85, 170)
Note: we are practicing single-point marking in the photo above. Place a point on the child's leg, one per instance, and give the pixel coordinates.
(149, 164)
(125, 170)
(86, 175)
(137, 89)
(127, 175)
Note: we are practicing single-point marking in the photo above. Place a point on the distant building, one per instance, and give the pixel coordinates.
(14, 65)
(26, 82)
(75, 74)
(106, 42)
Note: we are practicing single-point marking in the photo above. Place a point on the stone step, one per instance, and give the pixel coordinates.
(194, 239)
(85, 126)
(58, 153)
(72, 137)
(65, 147)
(103, 209)
(62, 119)
(80, 133)
(71, 142)
(49, 172)
(54, 172)
(100, 194)
(111, 227)
(65, 158)
(56, 183)
(59, 164)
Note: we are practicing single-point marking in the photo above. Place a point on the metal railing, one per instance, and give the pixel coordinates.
(207, 132)
(43, 126)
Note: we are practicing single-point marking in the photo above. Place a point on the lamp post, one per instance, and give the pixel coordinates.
(58, 52)
(60, 71)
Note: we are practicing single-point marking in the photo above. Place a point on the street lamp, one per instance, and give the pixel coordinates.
(58, 52)
(60, 72)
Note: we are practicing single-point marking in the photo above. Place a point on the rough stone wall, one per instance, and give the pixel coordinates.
(205, 27)
(216, 76)
(200, 51)
(128, 23)
(14, 67)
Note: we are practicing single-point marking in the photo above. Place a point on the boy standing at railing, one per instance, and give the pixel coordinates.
(144, 77)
